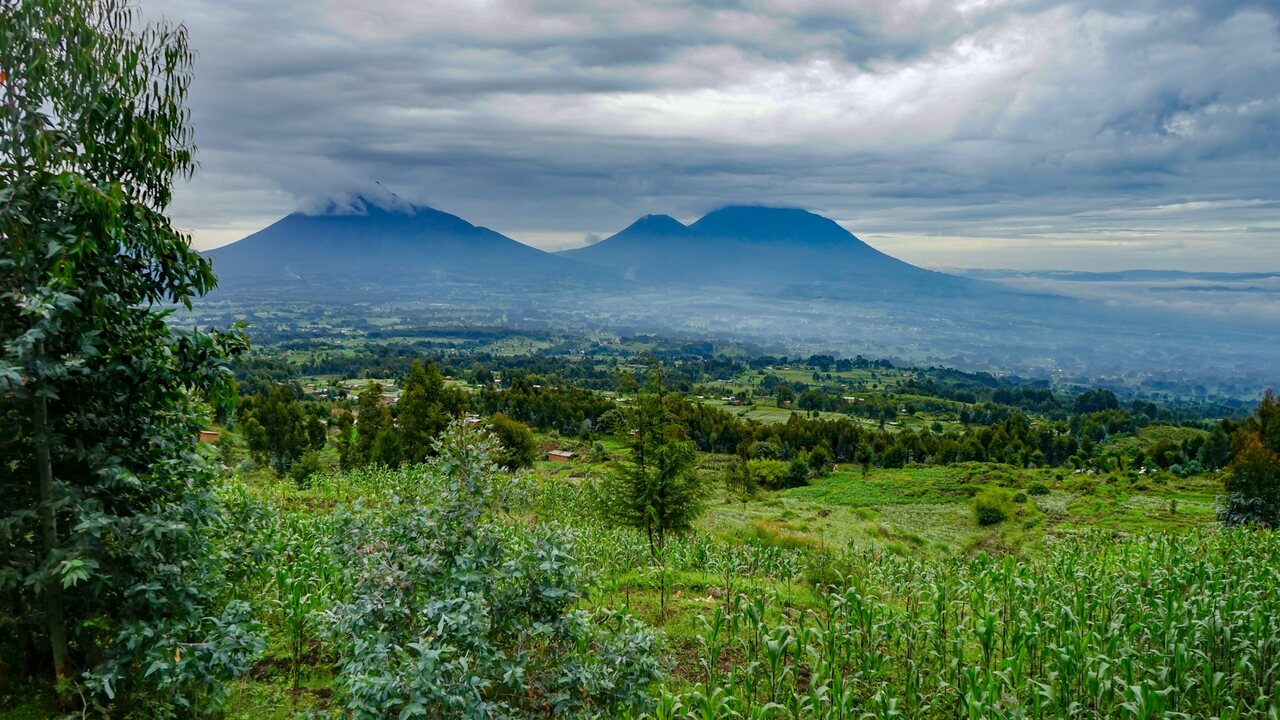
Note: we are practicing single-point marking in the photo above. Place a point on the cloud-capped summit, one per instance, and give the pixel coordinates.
(363, 240)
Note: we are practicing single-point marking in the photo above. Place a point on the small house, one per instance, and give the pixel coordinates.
(560, 455)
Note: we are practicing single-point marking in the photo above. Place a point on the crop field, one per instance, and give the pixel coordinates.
(854, 573)
(856, 597)
(861, 595)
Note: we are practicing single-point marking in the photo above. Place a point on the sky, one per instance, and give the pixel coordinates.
(1088, 134)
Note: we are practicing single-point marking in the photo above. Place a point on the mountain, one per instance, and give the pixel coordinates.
(752, 246)
(782, 276)
(642, 245)
(367, 243)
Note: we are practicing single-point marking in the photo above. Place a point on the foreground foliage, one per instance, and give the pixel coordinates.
(428, 600)
(108, 577)
(452, 615)
(1158, 627)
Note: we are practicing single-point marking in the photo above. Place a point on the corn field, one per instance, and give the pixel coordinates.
(1096, 626)
(1159, 627)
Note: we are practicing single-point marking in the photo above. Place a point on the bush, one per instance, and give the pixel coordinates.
(1019, 498)
(306, 466)
(455, 615)
(1037, 488)
(518, 447)
(771, 474)
(993, 506)
(1082, 485)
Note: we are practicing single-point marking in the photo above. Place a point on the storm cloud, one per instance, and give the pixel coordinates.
(991, 133)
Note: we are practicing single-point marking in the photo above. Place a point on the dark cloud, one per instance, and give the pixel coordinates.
(1080, 134)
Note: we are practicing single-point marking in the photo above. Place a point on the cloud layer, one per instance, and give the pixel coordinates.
(1024, 133)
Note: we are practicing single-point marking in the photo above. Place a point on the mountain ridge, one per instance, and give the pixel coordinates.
(751, 244)
(394, 244)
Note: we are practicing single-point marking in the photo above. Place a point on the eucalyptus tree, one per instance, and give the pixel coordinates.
(105, 550)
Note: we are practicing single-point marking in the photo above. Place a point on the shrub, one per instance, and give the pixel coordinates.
(1081, 485)
(1019, 498)
(772, 474)
(456, 615)
(993, 506)
(1037, 488)
(518, 447)
(306, 466)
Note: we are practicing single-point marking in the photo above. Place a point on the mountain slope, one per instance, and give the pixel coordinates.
(368, 243)
(639, 247)
(760, 246)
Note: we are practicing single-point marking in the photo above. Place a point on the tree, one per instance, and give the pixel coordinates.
(372, 417)
(1094, 401)
(317, 433)
(108, 507)
(656, 489)
(343, 424)
(741, 480)
(798, 471)
(518, 447)
(1253, 477)
(387, 448)
(820, 460)
(277, 429)
(420, 410)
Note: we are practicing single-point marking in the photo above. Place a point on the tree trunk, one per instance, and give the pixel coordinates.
(26, 644)
(49, 535)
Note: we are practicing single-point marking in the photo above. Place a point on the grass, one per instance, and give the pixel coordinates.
(884, 487)
(1148, 436)
(928, 511)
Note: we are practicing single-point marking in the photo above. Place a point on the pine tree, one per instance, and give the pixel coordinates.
(656, 489)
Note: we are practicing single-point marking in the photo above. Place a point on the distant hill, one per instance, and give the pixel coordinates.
(364, 243)
(762, 247)
(1125, 276)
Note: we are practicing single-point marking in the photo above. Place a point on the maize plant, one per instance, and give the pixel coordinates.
(1137, 628)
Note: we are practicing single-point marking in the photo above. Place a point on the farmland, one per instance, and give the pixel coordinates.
(861, 595)
(864, 591)
(864, 587)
